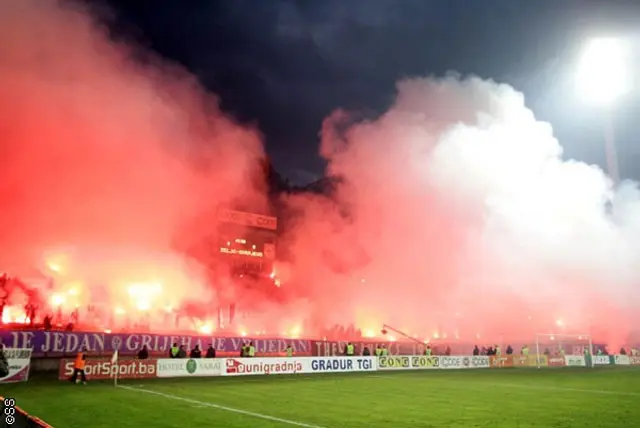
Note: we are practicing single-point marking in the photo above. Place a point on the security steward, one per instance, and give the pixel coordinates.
(252, 350)
(289, 351)
(78, 367)
(173, 352)
(350, 350)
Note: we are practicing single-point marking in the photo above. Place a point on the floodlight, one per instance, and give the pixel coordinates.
(603, 71)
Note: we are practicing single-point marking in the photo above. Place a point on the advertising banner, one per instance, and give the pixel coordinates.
(480, 362)
(105, 369)
(538, 360)
(501, 362)
(601, 360)
(634, 361)
(58, 343)
(622, 360)
(395, 362)
(189, 367)
(448, 362)
(556, 361)
(575, 361)
(425, 362)
(265, 366)
(18, 365)
(342, 364)
(520, 360)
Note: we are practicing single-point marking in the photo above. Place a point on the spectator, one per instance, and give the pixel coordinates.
(366, 352)
(211, 352)
(182, 352)
(509, 350)
(476, 351)
(173, 352)
(623, 351)
(196, 352)
(143, 354)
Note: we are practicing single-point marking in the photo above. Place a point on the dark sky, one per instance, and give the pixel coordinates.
(286, 64)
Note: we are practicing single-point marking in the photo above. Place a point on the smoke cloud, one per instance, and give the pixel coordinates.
(109, 157)
(455, 214)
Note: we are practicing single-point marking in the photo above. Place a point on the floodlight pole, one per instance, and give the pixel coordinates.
(610, 146)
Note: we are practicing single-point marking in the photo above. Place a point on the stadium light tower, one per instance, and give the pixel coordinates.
(603, 77)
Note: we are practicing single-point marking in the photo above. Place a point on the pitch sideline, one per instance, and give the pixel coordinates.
(221, 407)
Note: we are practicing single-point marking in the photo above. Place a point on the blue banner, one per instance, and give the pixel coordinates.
(58, 343)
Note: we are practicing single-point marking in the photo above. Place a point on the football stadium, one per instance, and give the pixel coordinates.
(272, 214)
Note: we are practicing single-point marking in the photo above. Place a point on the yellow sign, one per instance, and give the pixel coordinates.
(394, 362)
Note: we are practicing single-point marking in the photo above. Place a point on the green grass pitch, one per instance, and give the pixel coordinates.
(551, 398)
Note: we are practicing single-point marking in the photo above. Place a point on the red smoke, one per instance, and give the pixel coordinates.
(103, 154)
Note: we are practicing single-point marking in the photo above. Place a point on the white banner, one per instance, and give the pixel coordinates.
(575, 361)
(601, 360)
(270, 366)
(343, 364)
(189, 367)
(622, 360)
(480, 362)
(456, 362)
(18, 365)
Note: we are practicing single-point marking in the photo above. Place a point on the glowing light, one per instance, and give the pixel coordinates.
(206, 328)
(14, 314)
(108, 331)
(603, 74)
(295, 332)
(72, 291)
(436, 335)
(368, 333)
(243, 333)
(57, 299)
(119, 310)
(553, 338)
(391, 338)
(560, 323)
(277, 283)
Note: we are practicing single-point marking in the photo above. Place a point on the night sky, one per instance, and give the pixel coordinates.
(284, 65)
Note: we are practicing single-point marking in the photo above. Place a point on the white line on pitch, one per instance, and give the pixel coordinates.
(220, 407)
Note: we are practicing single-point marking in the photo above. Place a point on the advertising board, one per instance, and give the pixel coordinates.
(601, 360)
(342, 364)
(634, 361)
(556, 361)
(575, 361)
(394, 362)
(264, 366)
(622, 360)
(480, 362)
(18, 365)
(105, 369)
(272, 366)
(455, 362)
(189, 367)
(425, 362)
(501, 361)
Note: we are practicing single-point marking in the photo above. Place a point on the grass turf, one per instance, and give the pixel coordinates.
(551, 398)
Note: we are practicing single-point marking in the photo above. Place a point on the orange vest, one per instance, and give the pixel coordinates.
(79, 361)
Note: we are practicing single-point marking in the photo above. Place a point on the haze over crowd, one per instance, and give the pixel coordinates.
(455, 212)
